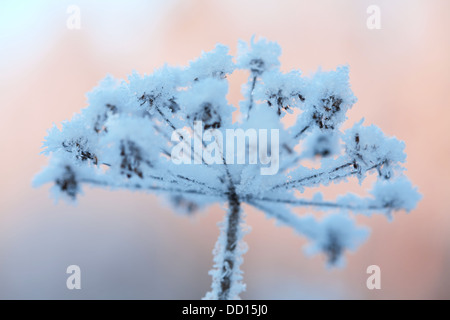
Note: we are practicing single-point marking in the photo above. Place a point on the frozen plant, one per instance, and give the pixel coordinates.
(124, 140)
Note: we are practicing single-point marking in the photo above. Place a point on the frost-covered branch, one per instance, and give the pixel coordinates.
(332, 235)
(341, 171)
(139, 186)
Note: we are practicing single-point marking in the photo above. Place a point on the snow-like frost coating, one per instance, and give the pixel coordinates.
(122, 140)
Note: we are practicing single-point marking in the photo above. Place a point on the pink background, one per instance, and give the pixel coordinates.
(131, 245)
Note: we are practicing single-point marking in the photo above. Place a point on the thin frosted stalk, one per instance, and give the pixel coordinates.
(227, 276)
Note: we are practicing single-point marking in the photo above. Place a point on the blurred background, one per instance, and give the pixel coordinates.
(132, 245)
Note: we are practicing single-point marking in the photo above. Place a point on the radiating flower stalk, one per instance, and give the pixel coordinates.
(124, 139)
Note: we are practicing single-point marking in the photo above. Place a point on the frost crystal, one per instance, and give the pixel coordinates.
(123, 140)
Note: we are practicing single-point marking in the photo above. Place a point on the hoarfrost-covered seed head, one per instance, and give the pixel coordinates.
(258, 56)
(74, 139)
(157, 92)
(395, 194)
(206, 101)
(216, 63)
(66, 176)
(319, 143)
(110, 97)
(327, 97)
(130, 148)
(336, 233)
(136, 134)
(281, 92)
(368, 147)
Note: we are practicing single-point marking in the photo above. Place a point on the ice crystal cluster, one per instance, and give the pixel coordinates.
(123, 140)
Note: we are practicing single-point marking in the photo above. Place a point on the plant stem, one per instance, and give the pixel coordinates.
(231, 241)
(250, 105)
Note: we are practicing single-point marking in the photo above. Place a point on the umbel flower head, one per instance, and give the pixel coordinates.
(125, 139)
